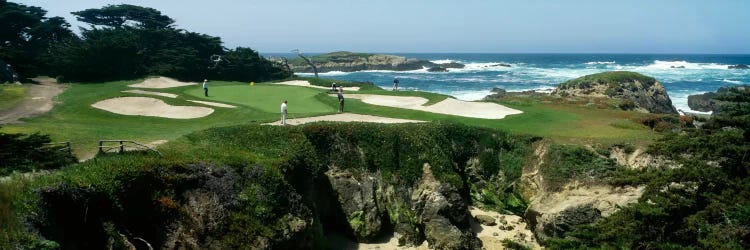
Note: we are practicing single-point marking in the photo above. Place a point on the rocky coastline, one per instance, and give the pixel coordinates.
(351, 62)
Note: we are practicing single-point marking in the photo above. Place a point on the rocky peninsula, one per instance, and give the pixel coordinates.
(350, 62)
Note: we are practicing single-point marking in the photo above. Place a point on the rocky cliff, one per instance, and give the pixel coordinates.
(646, 93)
(350, 62)
(719, 100)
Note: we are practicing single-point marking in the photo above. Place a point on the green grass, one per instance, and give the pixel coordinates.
(266, 98)
(73, 119)
(11, 95)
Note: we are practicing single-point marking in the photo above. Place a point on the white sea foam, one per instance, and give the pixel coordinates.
(476, 67)
(598, 63)
(731, 81)
(443, 61)
(684, 64)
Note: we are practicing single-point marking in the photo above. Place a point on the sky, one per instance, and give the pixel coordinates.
(467, 26)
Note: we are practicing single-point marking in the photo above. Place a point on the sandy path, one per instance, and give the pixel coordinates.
(449, 106)
(143, 92)
(346, 117)
(307, 84)
(160, 83)
(39, 100)
(147, 106)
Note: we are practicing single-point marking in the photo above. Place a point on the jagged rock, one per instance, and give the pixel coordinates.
(350, 62)
(500, 65)
(553, 214)
(452, 65)
(437, 69)
(499, 93)
(677, 67)
(444, 214)
(486, 220)
(646, 93)
(738, 66)
(710, 101)
(703, 102)
(358, 202)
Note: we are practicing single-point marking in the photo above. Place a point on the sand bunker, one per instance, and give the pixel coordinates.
(346, 117)
(147, 106)
(449, 106)
(215, 104)
(143, 92)
(161, 83)
(307, 84)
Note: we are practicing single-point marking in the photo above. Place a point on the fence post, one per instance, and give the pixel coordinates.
(70, 151)
(122, 148)
(100, 146)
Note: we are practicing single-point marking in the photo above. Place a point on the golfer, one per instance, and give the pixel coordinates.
(395, 84)
(341, 100)
(283, 113)
(205, 87)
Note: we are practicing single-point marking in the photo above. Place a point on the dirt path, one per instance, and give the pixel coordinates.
(38, 101)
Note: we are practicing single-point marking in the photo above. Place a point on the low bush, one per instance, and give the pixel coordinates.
(22, 152)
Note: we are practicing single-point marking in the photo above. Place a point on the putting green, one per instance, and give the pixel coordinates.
(266, 98)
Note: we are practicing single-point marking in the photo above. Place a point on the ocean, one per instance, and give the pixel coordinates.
(681, 75)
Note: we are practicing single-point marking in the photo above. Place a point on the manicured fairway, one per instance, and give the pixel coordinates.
(266, 98)
(11, 95)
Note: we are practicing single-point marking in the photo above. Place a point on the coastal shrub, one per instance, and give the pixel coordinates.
(613, 79)
(28, 152)
(563, 164)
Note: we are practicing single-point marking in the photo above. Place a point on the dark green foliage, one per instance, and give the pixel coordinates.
(26, 35)
(118, 16)
(615, 80)
(25, 153)
(509, 244)
(566, 163)
(245, 65)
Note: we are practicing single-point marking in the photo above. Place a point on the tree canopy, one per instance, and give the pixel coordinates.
(123, 42)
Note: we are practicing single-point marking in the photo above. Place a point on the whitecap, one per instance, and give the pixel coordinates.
(658, 64)
(731, 81)
(598, 63)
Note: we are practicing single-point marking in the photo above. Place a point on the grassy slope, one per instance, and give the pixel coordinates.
(74, 120)
(11, 95)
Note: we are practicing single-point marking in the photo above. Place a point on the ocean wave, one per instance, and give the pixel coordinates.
(683, 65)
(600, 63)
(731, 81)
(476, 67)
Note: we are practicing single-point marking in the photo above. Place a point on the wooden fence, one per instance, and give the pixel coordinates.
(121, 146)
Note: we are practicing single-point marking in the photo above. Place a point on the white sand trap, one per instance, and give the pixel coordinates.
(346, 117)
(161, 83)
(307, 84)
(215, 104)
(449, 106)
(143, 92)
(147, 106)
(492, 236)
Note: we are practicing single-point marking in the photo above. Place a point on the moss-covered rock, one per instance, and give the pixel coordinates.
(646, 93)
